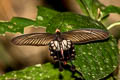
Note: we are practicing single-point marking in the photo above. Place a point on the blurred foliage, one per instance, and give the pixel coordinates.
(96, 10)
(38, 72)
(44, 16)
(110, 9)
(94, 60)
(15, 25)
(90, 7)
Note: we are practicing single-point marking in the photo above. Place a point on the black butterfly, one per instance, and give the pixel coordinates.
(61, 45)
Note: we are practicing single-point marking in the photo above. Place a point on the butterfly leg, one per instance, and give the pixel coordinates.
(70, 58)
(60, 62)
(60, 66)
(72, 67)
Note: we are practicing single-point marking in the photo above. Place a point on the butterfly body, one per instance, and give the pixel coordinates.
(61, 45)
(62, 50)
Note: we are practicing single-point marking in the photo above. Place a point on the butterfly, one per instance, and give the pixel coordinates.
(61, 44)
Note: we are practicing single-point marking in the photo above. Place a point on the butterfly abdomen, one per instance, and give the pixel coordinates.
(62, 50)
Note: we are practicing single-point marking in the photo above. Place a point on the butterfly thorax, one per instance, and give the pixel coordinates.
(62, 50)
(58, 36)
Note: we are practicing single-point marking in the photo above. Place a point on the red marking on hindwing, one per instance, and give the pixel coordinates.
(65, 62)
(62, 53)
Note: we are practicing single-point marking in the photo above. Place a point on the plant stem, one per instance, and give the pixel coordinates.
(86, 8)
(113, 25)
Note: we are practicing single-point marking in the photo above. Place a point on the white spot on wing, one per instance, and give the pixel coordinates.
(69, 46)
(56, 43)
(52, 44)
(65, 44)
(51, 52)
(54, 47)
(69, 42)
(73, 50)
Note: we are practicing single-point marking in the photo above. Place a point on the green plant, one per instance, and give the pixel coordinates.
(93, 60)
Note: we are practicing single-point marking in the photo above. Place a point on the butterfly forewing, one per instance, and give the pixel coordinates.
(85, 35)
(34, 39)
(76, 36)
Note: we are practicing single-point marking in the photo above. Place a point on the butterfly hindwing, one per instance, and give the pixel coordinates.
(85, 35)
(34, 39)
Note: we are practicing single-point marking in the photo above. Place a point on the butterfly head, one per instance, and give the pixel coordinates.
(57, 30)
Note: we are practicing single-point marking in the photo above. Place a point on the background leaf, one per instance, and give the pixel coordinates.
(21, 22)
(110, 9)
(38, 72)
(44, 15)
(15, 25)
(90, 7)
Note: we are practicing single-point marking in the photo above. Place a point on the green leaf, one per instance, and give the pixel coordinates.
(44, 15)
(15, 25)
(110, 9)
(68, 21)
(94, 60)
(38, 72)
(6, 27)
(22, 21)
